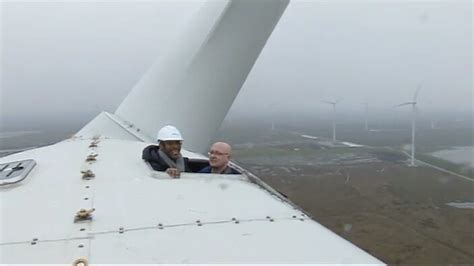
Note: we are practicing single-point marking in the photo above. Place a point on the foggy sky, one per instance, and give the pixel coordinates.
(60, 59)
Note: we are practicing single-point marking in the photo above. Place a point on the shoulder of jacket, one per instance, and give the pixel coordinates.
(206, 169)
(151, 147)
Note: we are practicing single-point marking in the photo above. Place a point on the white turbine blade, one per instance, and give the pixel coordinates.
(212, 59)
(415, 96)
(402, 104)
(328, 102)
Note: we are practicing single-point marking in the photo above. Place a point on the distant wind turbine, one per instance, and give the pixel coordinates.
(334, 118)
(413, 123)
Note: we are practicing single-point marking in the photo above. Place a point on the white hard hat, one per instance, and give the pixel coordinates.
(169, 133)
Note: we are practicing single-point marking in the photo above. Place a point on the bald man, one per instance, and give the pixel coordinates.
(219, 157)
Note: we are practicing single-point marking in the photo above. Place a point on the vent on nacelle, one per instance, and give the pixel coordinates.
(14, 172)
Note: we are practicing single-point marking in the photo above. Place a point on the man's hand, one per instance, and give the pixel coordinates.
(173, 172)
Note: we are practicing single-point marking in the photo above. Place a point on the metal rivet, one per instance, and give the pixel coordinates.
(271, 220)
(33, 243)
(80, 246)
(86, 198)
(302, 219)
(84, 215)
(80, 261)
(35, 239)
(87, 186)
(294, 216)
(233, 219)
(92, 158)
(82, 229)
(236, 222)
(268, 217)
(87, 175)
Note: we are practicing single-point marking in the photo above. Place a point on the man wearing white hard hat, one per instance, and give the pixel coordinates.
(166, 156)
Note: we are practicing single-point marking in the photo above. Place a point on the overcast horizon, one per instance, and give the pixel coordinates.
(78, 59)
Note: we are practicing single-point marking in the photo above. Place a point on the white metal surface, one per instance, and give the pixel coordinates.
(246, 242)
(210, 63)
(49, 252)
(31, 207)
(142, 216)
(112, 126)
(130, 204)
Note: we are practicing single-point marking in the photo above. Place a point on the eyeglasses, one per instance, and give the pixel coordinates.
(217, 153)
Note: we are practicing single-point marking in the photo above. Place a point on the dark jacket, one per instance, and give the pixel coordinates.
(151, 155)
(207, 169)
